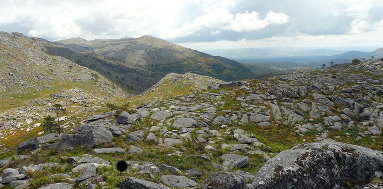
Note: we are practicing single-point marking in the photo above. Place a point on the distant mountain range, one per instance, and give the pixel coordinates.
(295, 57)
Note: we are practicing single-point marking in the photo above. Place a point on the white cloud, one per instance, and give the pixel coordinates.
(216, 32)
(380, 26)
(367, 39)
(251, 21)
(119, 18)
(224, 20)
(54, 19)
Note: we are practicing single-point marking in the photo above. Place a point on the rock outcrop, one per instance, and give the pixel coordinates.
(325, 164)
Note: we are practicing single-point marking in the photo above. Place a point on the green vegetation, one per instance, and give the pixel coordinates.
(51, 125)
(216, 67)
(356, 61)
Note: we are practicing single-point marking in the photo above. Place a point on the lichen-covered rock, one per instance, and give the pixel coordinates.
(58, 186)
(108, 150)
(160, 115)
(135, 150)
(184, 123)
(132, 182)
(125, 118)
(224, 180)
(88, 171)
(178, 181)
(10, 175)
(234, 161)
(325, 164)
(136, 136)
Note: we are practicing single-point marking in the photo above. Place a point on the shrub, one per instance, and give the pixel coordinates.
(51, 125)
(356, 61)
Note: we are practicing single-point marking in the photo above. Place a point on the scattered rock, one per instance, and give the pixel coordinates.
(135, 136)
(10, 175)
(108, 150)
(234, 161)
(160, 115)
(125, 118)
(132, 182)
(224, 180)
(184, 123)
(170, 142)
(170, 169)
(135, 150)
(88, 171)
(178, 181)
(58, 186)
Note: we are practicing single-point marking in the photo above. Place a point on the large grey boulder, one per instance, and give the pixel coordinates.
(135, 150)
(31, 144)
(224, 180)
(322, 99)
(58, 186)
(19, 184)
(91, 159)
(108, 150)
(258, 118)
(160, 115)
(143, 167)
(86, 136)
(170, 142)
(36, 143)
(325, 164)
(178, 181)
(132, 182)
(136, 136)
(10, 175)
(219, 120)
(184, 123)
(88, 172)
(234, 161)
(38, 167)
(125, 118)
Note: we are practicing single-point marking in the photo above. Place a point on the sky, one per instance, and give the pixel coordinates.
(204, 24)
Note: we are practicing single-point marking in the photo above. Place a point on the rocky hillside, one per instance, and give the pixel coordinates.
(160, 56)
(32, 81)
(308, 129)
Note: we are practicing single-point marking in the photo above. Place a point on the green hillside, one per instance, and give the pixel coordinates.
(160, 56)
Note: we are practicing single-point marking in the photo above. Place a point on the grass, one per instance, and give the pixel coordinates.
(12, 141)
(14, 100)
(163, 92)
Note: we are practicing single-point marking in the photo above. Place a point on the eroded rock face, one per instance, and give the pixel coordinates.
(86, 136)
(325, 164)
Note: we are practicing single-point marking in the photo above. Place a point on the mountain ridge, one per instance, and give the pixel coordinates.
(158, 55)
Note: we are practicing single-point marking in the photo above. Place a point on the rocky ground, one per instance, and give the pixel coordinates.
(308, 129)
